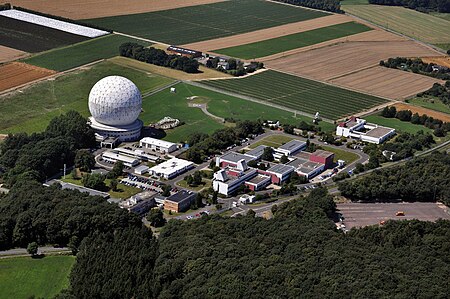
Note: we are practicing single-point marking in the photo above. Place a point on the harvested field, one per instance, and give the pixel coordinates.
(9, 54)
(33, 38)
(388, 83)
(82, 9)
(298, 94)
(440, 60)
(205, 22)
(421, 26)
(268, 33)
(421, 110)
(16, 73)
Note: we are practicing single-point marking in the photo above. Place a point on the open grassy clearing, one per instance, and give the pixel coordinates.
(293, 41)
(165, 103)
(204, 22)
(206, 73)
(24, 277)
(82, 53)
(398, 125)
(299, 94)
(430, 103)
(445, 16)
(421, 26)
(205, 184)
(122, 191)
(31, 109)
(272, 140)
(341, 154)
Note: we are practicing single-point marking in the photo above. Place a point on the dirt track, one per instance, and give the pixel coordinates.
(83, 9)
(260, 35)
(421, 110)
(9, 54)
(17, 73)
(389, 83)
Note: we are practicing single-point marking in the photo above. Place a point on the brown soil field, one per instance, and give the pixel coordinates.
(9, 54)
(440, 60)
(83, 9)
(388, 83)
(17, 73)
(264, 34)
(438, 115)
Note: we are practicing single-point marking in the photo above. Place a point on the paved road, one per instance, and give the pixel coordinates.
(23, 252)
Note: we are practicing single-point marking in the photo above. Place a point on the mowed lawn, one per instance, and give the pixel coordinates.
(82, 53)
(299, 94)
(203, 22)
(176, 105)
(424, 27)
(398, 125)
(293, 41)
(31, 109)
(24, 277)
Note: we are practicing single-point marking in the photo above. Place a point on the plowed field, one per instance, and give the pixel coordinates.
(82, 9)
(17, 73)
(8, 54)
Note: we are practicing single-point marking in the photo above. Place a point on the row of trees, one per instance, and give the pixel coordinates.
(235, 67)
(441, 91)
(158, 57)
(416, 65)
(327, 5)
(423, 5)
(203, 146)
(440, 128)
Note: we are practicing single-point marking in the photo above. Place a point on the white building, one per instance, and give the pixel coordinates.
(141, 169)
(171, 168)
(158, 145)
(289, 148)
(113, 157)
(359, 128)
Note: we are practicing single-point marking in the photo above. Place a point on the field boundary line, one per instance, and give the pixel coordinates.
(299, 6)
(267, 103)
(152, 92)
(140, 38)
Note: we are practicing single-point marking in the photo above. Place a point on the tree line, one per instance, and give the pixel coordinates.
(416, 65)
(327, 5)
(159, 57)
(441, 91)
(422, 6)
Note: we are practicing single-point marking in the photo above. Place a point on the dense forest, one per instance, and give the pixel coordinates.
(159, 57)
(421, 179)
(423, 5)
(328, 5)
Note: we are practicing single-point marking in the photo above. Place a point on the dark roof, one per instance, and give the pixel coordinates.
(293, 144)
(257, 151)
(181, 196)
(258, 179)
(281, 169)
(236, 157)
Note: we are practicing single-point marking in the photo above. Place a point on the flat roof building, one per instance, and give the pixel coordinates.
(279, 173)
(257, 152)
(158, 145)
(180, 201)
(171, 168)
(141, 169)
(114, 157)
(359, 128)
(227, 181)
(258, 182)
(231, 159)
(323, 157)
(290, 148)
(184, 51)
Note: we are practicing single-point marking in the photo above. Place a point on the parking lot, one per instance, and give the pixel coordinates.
(363, 214)
(142, 183)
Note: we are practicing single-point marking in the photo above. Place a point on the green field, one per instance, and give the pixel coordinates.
(293, 41)
(354, 2)
(433, 104)
(122, 192)
(24, 277)
(401, 126)
(421, 26)
(299, 94)
(203, 22)
(445, 16)
(32, 109)
(176, 105)
(341, 154)
(82, 53)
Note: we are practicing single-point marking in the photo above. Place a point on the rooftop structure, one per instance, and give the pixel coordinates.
(279, 173)
(184, 51)
(171, 168)
(359, 128)
(158, 145)
(231, 159)
(291, 147)
(114, 157)
(257, 152)
(180, 201)
(258, 182)
(228, 180)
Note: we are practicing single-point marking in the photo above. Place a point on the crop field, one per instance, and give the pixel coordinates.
(16, 73)
(421, 110)
(33, 38)
(421, 26)
(9, 54)
(82, 53)
(440, 60)
(398, 125)
(204, 22)
(299, 94)
(386, 82)
(165, 103)
(293, 41)
(430, 103)
(24, 277)
(31, 109)
(82, 9)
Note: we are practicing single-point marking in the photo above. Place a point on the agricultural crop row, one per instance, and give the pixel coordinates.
(299, 94)
(204, 22)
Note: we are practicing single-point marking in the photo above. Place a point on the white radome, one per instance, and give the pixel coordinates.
(115, 101)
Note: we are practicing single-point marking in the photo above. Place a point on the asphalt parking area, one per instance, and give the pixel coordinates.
(363, 214)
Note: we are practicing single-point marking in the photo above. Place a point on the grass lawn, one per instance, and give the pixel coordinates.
(82, 53)
(293, 41)
(123, 191)
(273, 141)
(23, 277)
(341, 154)
(436, 105)
(421, 26)
(30, 110)
(401, 126)
(205, 184)
(299, 94)
(203, 22)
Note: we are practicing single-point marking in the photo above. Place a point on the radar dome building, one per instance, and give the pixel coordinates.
(115, 103)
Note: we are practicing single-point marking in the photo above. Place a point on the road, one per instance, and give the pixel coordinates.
(42, 250)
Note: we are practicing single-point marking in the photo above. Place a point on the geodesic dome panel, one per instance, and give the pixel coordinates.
(115, 101)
